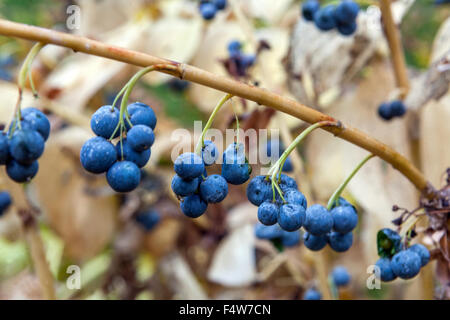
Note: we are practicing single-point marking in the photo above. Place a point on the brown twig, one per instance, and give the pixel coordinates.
(190, 73)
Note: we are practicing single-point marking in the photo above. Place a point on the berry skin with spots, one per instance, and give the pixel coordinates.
(291, 217)
(259, 190)
(123, 176)
(386, 272)
(193, 206)
(34, 119)
(182, 187)
(309, 8)
(104, 121)
(140, 137)
(21, 172)
(318, 220)
(287, 183)
(340, 242)
(26, 146)
(340, 276)
(97, 155)
(209, 153)
(295, 197)
(406, 264)
(314, 243)
(189, 166)
(268, 213)
(140, 113)
(345, 219)
(214, 189)
(129, 154)
(423, 253)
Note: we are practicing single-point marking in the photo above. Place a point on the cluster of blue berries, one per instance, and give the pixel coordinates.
(340, 276)
(277, 235)
(275, 144)
(389, 110)
(23, 144)
(238, 60)
(209, 8)
(148, 219)
(196, 189)
(341, 17)
(398, 261)
(123, 161)
(5, 201)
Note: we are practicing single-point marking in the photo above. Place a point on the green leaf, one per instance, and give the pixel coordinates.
(388, 243)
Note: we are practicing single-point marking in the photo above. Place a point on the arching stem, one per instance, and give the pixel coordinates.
(340, 189)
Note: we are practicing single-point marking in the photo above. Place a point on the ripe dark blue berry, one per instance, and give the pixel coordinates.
(314, 243)
(213, 189)
(140, 113)
(123, 176)
(346, 29)
(235, 168)
(220, 4)
(21, 172)
(140, 137)
(318, 220)
(193, 206)
(182, 187)
(97, 155)
(324, 18)
(340, 276)
(5, 201)
(406, 264)
(290, 239)
(291, 216)
(309, 8)
(148, 219)
(296, 197)
(312, 294)
(346, 11)
(398, 109)
(340, 242)
(268, 213)
(234, 48)
(4, 148)
(259, 190)
(189, 165)
(26, 146)
(104, 121)
(208, 10)
(386, 273)
(209, 153)
(423, 253)
(287, 183)
(345, 219)
(129, 154)
(34, 119)
(385, 112)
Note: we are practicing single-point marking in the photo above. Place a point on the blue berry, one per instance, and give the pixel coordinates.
(246, 61)
(309, 8)
(398, 109)
(123, 176)
(318, 220)
(312, 294)
(189, 166)
(288, 167)
(259, 190)
(140, 137)
(268, 232)
(291, 216)
(148, 219)
(340, 276)
(287, 183)
(4, 148)
(140, 113)
(314, 243)
(386, 273)
(36, 120)
(423, 253)
(346, 29)
(296, 197)
(208, 10)
(340, 242)
(234, 48)
(235, 168)
(406, 264)
(290, 239)
(213, 189)
(5, 201)
(182, 187)
(97, 155)
(21, 172)
(345, 219)
(268, 213)
(385, 111)
(220, 4)
(26, 146)
(193, 206)
(324, 18)
(346, 11)
(104, 121)
(209, 153)
(129, 154)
